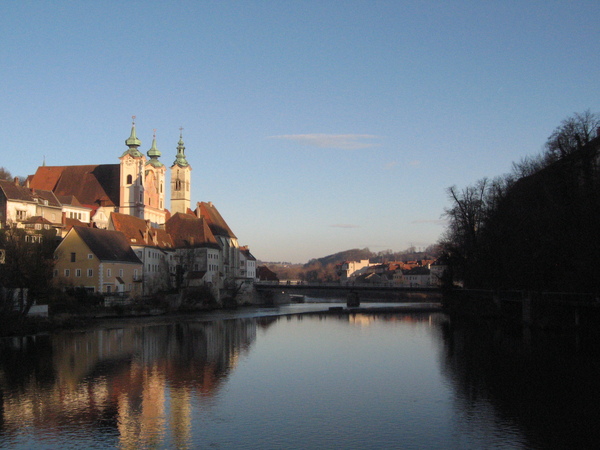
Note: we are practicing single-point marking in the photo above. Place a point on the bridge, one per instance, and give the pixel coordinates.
(281, 292)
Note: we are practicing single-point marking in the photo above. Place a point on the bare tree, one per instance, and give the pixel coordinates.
(27, 269)
(573, 133)
(5, 174)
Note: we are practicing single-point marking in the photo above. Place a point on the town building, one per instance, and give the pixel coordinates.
(247, 264)
(198, 257)
(33, 209)
(153, 247)
(349, 269)
(178, 248)
(99, 261)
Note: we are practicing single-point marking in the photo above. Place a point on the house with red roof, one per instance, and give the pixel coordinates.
(154, 248)
(199, 254)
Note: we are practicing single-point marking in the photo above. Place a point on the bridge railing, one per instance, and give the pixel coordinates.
(340, 285)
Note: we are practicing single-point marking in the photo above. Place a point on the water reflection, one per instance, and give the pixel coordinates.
(133, 382)
(353, 381)
(543, 385)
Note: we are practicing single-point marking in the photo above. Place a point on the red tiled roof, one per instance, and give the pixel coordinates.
(246, 251)
(13, 191)
(91, 184)
(189, 231)
(263, 273)
(37, 219)
(69, 223)
(69, 200)
(215, 221)
(139, 232)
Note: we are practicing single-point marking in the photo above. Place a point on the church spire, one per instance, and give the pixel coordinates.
(154, 153)
(180, 159)
(133, 142)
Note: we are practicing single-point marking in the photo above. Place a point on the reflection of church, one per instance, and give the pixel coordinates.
(144, 383)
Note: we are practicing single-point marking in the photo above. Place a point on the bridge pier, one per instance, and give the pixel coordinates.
(272, 296)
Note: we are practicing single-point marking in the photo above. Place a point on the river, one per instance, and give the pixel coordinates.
(260, 379)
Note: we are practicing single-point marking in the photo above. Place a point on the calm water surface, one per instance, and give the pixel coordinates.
(358, 381)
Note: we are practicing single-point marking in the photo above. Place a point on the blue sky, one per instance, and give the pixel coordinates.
(313, 126)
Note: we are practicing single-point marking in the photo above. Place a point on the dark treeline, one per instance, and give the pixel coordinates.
(536, 228)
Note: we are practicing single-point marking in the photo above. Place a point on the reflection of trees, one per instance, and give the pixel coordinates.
(124, 378)
(547, 386)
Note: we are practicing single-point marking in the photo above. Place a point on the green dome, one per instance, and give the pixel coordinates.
(180, 157)
(154, 154)
(133, 143)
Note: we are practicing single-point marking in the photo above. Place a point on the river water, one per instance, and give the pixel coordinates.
(257, 379)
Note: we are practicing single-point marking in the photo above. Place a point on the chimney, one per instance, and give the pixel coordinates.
(17, 183)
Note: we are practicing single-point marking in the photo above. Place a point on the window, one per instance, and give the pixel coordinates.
(90, 272)
(108, 288)
(21, 215)
(77, 272)
(135, 274)
(73, 257)
(129, 179)
(90, 256)
(121, 272)
(38, 226)
(67, 273)
(55, 273)
(108, 273)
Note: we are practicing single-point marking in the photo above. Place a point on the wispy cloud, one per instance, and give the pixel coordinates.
(335, 141)
(343, 225)
(391, 165)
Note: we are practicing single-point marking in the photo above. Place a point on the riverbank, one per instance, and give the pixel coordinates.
(23, 326)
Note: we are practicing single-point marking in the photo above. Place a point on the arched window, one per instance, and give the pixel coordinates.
(129, 179)
(177, 185)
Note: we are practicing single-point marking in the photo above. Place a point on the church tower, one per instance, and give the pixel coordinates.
(154, 186)
(180, 180)
(131, 195)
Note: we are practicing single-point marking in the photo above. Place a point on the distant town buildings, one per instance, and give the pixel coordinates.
(421, 273)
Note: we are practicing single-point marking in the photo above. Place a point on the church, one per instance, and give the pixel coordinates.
(136, 186)
(180, 247)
